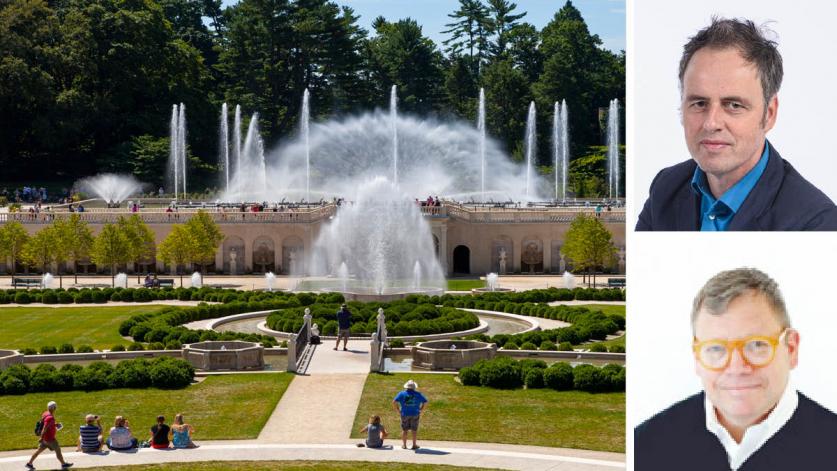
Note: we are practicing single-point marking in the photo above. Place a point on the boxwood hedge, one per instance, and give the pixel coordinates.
(505, 373)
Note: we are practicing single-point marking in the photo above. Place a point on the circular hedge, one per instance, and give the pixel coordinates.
(402, 318)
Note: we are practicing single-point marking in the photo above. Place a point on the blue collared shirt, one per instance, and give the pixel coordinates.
(716, 214)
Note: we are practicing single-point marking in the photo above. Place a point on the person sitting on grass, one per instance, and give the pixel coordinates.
(182, 433)
(375, 433)
(90, 435)
(160, 433)
(120, 437)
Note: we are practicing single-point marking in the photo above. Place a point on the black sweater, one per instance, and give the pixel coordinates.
(677, 439)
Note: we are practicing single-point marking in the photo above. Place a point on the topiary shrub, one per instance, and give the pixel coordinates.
(29, 351)
(528, 346)
(84, 349)
(598, 347)
(616, 349)
(565, 347)
(510, 345)
(48, 350)
(156, 346)
(66, 348)
(43, 378)
(118, 348)
(469, 376)
(135, 347)
(589, 378)
(99, 296)
(49, 297)
(94, 377)
(84, 296)
(500, 373)
(131, 374)
(559, 376)
(173, 345)
(547, 345)
(22, 297)
(534, 378)
(13, 385)
(65, 297)
(396, 343)
(169, 373)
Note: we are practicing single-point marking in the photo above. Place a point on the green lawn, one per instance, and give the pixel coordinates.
(220, 407)
(465, 285)
(292, 466)
(34, 327)
(617, 341)
(570, 419)
(607, 308)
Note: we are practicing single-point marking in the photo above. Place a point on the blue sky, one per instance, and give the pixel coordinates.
(604, 17)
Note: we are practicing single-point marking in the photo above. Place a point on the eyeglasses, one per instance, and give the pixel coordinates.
(757, 350)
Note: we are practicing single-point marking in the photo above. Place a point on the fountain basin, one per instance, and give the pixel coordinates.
(451, 354)
(9, 358)
(224, 355)
(386, 295)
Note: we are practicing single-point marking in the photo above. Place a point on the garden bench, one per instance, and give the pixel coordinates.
(166, 282)
(616, 282)
(26, 282)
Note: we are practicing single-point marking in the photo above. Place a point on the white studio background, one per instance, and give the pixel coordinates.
(657, 31)
(667, 270)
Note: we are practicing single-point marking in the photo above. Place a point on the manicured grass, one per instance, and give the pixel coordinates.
(465, 285)
(607, 308)
(617, 341)
(220, 407)
(570, 419)
(292, 466)
(34, 327)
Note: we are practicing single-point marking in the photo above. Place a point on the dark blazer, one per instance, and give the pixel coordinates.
(782, 200)
(677, 439)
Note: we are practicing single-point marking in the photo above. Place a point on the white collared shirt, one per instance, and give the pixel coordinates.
(756, 435)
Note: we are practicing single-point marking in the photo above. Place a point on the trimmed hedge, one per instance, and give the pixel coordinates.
(402, 318)
(506, 373)
(162, 372)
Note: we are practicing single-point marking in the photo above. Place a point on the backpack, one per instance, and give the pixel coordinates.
(39, 427)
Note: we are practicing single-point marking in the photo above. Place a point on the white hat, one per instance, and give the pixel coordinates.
(411, 385)
(51, 405)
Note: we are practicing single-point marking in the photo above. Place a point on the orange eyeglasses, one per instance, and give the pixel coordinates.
(756, 350)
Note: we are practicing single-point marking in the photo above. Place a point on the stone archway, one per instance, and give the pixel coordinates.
(232, 252)
(264, 255)
(531, 258)
(293, 256)
(462, 260)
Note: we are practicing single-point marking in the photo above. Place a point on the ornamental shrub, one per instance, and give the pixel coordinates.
(173, 345)
(13, 385)
(616, 348)
(528, 346)
(396, 343)
(49, 297)
(510, 345)
(500, 373)
(84, 296)
(565, 347)
(118, 348)
(48, 350)
(135, 346)
(99, 296)
(547, 345)
(29, 351)
(559, 376)
(93, 378)
(534, 378)
(22, 297)
(65, 297)
(589, 378)
(469, 376)
(598, 347)
(84, 349)
(169, 373)
(66, 348)
(43, 378)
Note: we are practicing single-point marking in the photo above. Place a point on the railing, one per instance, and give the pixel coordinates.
(104, 216)
(507, 215)
(301, 341)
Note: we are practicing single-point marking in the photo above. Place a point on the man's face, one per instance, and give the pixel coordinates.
(723, 113)
(744, 395)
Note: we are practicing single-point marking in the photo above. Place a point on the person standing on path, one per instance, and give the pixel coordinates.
(344, 324)
(411, 403)
(48, 439)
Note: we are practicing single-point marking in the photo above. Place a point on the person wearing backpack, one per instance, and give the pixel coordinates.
(46, 429)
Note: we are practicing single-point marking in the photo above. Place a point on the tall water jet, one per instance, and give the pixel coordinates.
(47, 281)
(121, 280)
(565, 148)
(174, 154)
(569, 280)
(481, 129)
(181, 143)
(613, 147)
(237, 139)
(253, 155)
(382, 256)
(556, 144)
(112, 188)
(491, 281)
(303, 122)
(393, 115)
(224, 146)
(270, 281)
(530, 147)
(197, 280)
(417, 276)
(343, 276)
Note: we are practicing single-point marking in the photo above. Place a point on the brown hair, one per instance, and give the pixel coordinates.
(375, 419)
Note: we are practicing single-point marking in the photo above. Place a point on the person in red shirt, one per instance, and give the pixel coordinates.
(48, 440)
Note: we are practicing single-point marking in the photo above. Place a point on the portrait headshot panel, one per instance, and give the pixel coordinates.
(673, 267)
(803, 121)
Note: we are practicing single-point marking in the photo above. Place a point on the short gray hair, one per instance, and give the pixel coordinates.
(724, 287)
(750, 40)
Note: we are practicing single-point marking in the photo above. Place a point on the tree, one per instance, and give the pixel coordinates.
(207, 236)
(140, 239)
(588, 243)
(76, 240)
(524, 50)
(470, 31)
(500, 23)
(177, 248)
(41, 249)
(111, 248)
(507, 99)
(461, 88)
(12, 239)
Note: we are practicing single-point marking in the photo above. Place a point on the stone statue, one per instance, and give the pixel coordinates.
(382, 324)
(233, 264)
(502, 260)
(307, 319)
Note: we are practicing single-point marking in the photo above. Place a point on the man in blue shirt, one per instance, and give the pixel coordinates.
(730, 75)
(344, 325)
(412, 403)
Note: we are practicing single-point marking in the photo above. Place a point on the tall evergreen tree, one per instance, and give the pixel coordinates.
(501, 22)
(469, 32)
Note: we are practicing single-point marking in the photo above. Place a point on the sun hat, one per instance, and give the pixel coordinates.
(410, 385)
(51, 405)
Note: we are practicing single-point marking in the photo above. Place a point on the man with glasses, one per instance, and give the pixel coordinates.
(748, 417)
